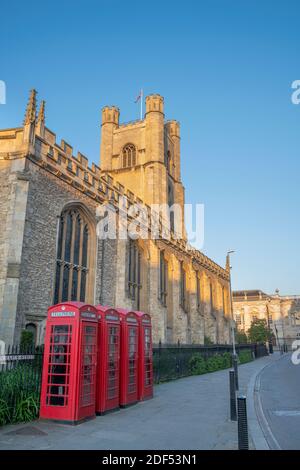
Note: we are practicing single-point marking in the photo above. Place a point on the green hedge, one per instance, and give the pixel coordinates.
(245, 356)
(199, 365)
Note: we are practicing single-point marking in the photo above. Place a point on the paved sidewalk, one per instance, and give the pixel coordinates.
(190, 413)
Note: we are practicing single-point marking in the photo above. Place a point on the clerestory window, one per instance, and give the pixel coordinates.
(134, 272)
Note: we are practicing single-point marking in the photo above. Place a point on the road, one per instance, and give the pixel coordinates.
(279, 396)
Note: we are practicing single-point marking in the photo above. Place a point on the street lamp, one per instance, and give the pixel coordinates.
(234, 356)
(269, 327)
(231, 306)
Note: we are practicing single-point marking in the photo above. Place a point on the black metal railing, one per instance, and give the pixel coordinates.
(174, 361)
(259, 350)
(21, 372)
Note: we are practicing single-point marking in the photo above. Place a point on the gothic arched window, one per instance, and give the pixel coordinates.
(134, 273)
(72, 263)
(129, 156)
(170, 204)
(183, 288)
(198, 291)
(211, 297)
(163, 278)
(169, 162)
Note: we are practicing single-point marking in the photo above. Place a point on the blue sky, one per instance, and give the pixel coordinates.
(225, 69)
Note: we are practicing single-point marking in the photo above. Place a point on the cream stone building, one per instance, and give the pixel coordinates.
(49, 248)
(282, 313)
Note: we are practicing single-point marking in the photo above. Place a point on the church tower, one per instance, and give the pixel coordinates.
(144, 155)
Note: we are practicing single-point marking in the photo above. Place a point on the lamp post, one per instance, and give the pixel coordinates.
(283, 334)
(269, 328)
(231, 306)
(234, 355)
(284, 347)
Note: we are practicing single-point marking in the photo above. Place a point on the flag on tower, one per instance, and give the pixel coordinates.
(139, 96)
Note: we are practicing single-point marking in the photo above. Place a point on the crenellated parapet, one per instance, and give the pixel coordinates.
(154, 103)
(201, 259)
(110, 115)
(173, 128)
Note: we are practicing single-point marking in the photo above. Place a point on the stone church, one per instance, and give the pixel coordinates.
(49, 248)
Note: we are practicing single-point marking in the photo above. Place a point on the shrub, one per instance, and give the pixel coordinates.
(197, 364)
(4, 412)
(245, 356)
(27, 340)
(27, 408)
(215, 362)
(19, 394)
(226, 360)
(22, 377)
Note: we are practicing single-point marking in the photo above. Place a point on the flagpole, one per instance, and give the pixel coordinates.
(141, 103)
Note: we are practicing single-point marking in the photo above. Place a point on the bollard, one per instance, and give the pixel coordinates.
(232, 396)
(235, 367)
(270, 348)
(242, 423)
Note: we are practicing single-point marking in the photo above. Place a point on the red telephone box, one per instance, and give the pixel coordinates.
(145, 374)
(108, 370)
(129, 357)
(70, 357)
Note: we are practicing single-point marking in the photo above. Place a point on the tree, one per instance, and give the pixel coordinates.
(259, 332)
(27, 340)
(241, 337)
